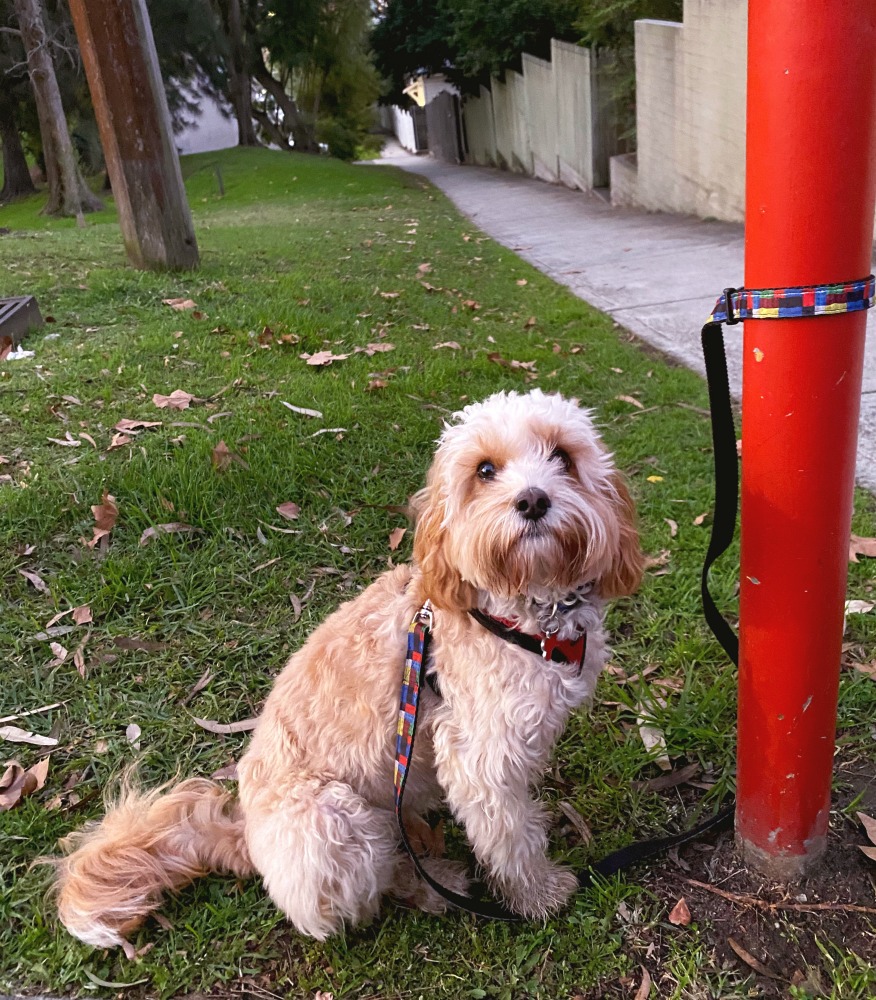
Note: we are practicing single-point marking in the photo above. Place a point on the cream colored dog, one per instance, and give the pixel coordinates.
(523, 512)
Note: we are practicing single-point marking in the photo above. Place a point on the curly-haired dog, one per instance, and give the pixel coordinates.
(524, 517)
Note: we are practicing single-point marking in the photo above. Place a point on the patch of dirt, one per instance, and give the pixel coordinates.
(776, 928)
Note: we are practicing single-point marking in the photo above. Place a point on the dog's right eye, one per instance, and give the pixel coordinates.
(486, 471)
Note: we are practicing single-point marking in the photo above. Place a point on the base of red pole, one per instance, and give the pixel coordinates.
(782, 867)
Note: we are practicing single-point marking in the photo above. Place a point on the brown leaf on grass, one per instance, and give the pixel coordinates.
(452, 344)
(673, 526)
(389, 295)
(644, 990)
(661, 559)
(497, 359)
(68, 441)
(35, 580)
(584, 832)
(221, 457)
(471, 304)
(13, 734)
(175, 527)
(106, 513)
(679, 915)
(395, 537)
(651, 734)
(632, 401)
(79, 656)
(16, 783)
(198, 686)
(698, 520)
(119, 441)
(371, 349)
(322, 358)
(752, 962)
(375, 384)
(57, 617)
(181, 305)
(289, 510)
(133, 426)
(859, 546)
(60, 652)
(226, 728)
(430, 288)
(670, 780)
(530, 323)
(88, 438)
(179, 399)
(522, 281)
(132, 734)
(82, 614)
(424, 268)
(868, 669)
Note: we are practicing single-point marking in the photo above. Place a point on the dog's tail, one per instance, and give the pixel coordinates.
(116, 871)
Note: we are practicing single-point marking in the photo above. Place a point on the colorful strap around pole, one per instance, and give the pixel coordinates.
(794, 303)
(746, 303)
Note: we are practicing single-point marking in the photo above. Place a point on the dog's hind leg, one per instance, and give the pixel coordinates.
(325, 854)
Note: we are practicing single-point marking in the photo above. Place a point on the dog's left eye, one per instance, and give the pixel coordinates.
(562, 456)
(486, 470)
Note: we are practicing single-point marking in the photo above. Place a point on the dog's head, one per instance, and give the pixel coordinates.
(523, 499)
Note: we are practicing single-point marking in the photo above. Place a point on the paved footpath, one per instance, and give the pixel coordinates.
(658, 275)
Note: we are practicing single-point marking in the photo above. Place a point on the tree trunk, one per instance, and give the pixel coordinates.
(304, 140)
(239, 77)
(68, 192)
(16, 176)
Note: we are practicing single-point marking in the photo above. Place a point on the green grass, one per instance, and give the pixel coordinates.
(306, 246)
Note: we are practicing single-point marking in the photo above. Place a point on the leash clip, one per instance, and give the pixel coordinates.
(732, 319)
(425, 616)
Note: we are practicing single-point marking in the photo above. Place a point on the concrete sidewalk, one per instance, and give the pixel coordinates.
(658, 275)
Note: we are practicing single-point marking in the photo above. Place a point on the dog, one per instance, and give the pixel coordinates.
(524, 518)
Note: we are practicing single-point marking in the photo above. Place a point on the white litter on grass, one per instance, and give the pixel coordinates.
(19, 355)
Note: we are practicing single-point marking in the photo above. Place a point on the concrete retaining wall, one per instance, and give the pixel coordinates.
(554, 121)
(690, 110)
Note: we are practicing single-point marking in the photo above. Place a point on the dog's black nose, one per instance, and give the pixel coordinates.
(533, 504)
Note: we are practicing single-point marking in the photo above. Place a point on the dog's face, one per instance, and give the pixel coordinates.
(523, 499)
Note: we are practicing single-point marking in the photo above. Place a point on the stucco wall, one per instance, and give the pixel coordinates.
(690, 110)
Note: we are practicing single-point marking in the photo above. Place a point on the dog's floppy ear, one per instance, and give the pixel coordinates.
(625, 573)
(442, 584)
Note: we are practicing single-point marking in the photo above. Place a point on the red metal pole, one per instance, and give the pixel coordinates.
(810, 201)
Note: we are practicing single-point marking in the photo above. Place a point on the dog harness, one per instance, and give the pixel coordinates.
(478, 901)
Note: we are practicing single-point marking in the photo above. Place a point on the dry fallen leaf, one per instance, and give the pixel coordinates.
(106, 514)
(584, 832)
(16, 783)
(119, 441)
(751, 961)
(68, 441)
(376, 383)
(133, 426)
(371, 349)
(644, 990)
(303, 410)
(395, 537)
(12, 734)
(632, 401)
(179, 399)
(165, 529)
(181, 305)
(869, 825)
(322, 358)
(60, 653)
(859, 607)
(522, 282)
(227, 773)
(390, 295)
(132, 734)
(36, 581)
(701, 517)
(221, 457)
(452, 344)
(289, 510)
(226, 728)
(652, 736)
(82, 614)
(859, 546)
(673, 526)
(679, 916)
(661, 559)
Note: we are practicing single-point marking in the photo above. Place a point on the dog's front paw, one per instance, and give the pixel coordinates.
(541, 891)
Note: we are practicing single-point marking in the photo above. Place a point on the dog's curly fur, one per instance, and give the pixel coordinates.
(314, 816)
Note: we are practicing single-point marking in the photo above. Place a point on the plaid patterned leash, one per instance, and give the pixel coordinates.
(735, 305)
(479, 902)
